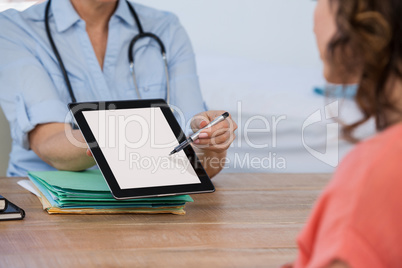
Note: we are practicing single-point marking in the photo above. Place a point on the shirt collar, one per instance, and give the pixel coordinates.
(64, 14)
(124, 13)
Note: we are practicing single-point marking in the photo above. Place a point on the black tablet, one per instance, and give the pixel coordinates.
(131, 142)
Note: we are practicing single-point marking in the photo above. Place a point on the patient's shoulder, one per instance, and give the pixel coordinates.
(376, 161)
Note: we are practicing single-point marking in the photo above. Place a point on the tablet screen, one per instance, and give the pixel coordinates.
(136, 144)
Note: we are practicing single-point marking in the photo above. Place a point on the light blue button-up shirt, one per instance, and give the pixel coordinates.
(32, 87)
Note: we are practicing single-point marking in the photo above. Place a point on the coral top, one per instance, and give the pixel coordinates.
(358, 218)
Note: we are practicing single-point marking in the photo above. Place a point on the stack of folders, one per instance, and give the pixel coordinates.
(9, 211)
(64, 192)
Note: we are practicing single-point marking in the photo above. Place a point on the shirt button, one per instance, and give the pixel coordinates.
(146, 89)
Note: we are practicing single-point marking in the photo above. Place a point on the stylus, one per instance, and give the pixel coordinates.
(194, 137)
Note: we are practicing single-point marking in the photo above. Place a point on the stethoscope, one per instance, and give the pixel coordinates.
(139, 36)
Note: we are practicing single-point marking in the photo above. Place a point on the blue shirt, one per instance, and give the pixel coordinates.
(33, 90)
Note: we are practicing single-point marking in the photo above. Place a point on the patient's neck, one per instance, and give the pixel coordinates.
(95, 13)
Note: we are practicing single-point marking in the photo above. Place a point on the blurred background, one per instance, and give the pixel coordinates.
(258, 60)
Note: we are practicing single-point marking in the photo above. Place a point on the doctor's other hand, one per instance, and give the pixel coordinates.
(217, 138)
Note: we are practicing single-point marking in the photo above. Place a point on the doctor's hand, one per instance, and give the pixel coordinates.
(217, 138)
(212, 144)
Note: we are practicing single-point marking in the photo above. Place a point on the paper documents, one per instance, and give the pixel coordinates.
(65, 192)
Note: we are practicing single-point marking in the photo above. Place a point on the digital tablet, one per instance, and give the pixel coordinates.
(131, 142)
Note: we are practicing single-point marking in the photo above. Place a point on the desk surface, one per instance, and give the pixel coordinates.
(252, 220)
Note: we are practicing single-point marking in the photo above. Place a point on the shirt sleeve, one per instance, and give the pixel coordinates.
(28, 95)
(186, 94)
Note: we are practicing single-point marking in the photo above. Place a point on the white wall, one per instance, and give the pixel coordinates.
(277, 32)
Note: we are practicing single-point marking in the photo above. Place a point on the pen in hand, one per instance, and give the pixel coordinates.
(195, 136)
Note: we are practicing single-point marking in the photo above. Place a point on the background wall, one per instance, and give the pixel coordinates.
(277, 32)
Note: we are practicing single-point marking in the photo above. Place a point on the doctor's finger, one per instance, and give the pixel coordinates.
(89, 153)
(217, 147)
(220, 128)
(217, 128)
(226, 137)
(199, 121)
(213, 134)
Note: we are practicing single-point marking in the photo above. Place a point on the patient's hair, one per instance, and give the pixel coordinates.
(369, 37)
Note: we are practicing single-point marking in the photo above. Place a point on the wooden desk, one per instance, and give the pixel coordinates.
(251, 221)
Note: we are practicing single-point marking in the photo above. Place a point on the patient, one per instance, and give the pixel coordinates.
(357, 221)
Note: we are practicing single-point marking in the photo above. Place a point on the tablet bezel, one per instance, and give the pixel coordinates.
(77, 110)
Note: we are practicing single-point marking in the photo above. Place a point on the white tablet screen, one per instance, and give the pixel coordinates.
(136, 144)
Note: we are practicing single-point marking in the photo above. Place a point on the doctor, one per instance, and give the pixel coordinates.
(92, 38)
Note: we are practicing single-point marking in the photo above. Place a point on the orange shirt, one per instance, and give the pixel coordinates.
(358, 218)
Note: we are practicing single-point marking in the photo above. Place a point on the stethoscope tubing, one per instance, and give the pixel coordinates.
(57, 54)
(131, 57)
